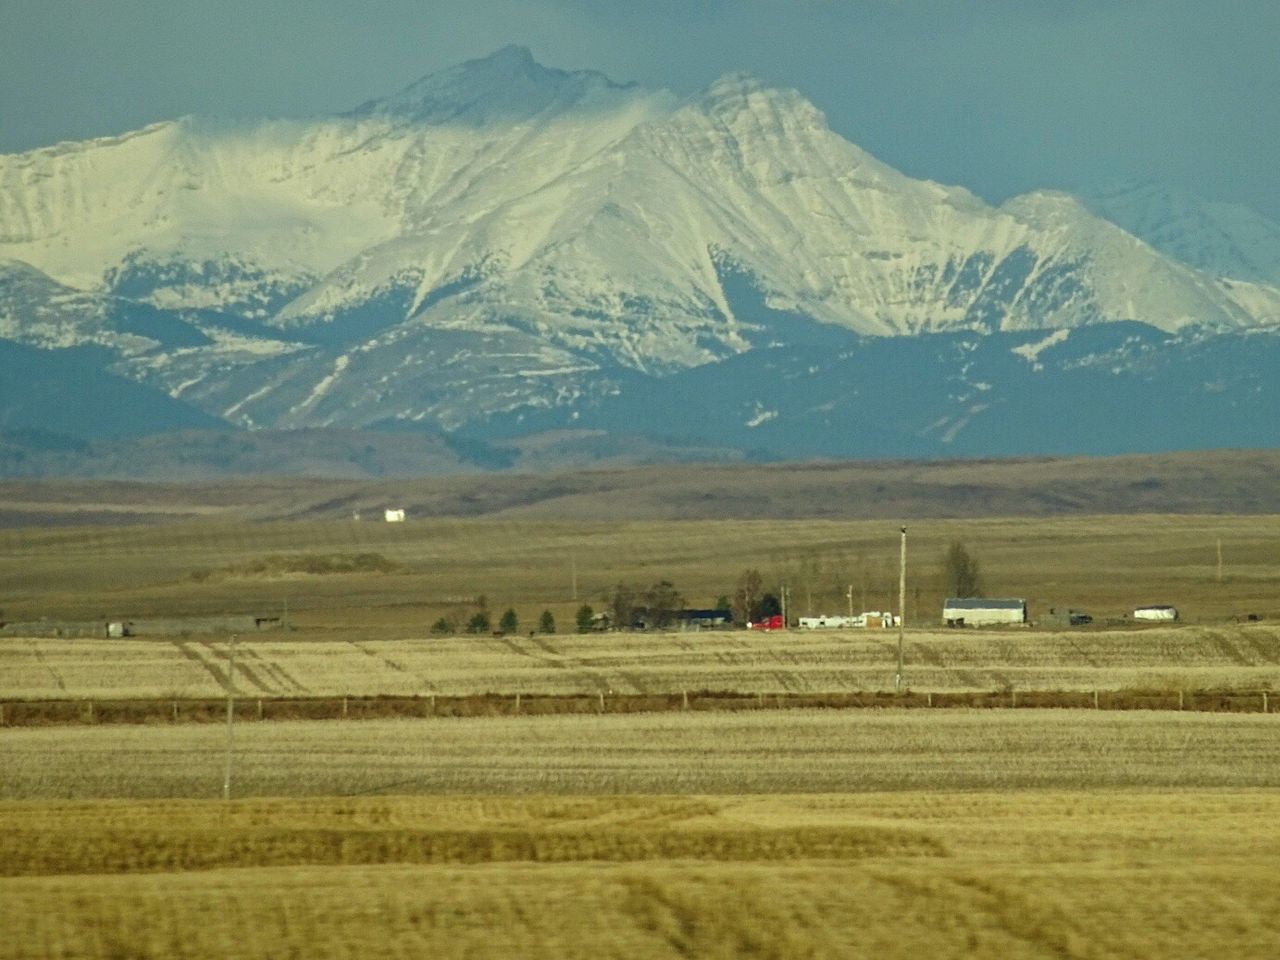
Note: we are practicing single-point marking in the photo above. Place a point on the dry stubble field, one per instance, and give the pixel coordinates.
(802, 833)
(976, 874)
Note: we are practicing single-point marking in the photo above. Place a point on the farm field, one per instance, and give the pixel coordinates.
(1113, 873)
(656, 753)
(772, 833)
(1190, 658)
(374, 580)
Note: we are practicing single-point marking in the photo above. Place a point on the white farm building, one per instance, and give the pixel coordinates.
(982, 612)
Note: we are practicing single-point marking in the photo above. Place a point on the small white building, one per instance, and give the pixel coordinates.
(983, 612)
(395, 516)
(1156, 612)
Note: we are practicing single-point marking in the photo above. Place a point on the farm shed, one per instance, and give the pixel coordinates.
(1157, 612)
(702, 619)
(394, 516)
(982, 612)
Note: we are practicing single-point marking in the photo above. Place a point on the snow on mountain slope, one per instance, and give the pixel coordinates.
(502, 236)
(1224, 239)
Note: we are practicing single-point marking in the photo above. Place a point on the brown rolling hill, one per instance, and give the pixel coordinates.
(1223, 481)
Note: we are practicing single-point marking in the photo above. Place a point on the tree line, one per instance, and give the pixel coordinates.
(658, 605)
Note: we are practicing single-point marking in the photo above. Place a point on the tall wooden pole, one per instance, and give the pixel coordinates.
(898, 679)
(1219, 559)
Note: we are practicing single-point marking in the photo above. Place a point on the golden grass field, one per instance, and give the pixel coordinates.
(1191, 658)
(797, 833)
(794, 751)
(1117, 873)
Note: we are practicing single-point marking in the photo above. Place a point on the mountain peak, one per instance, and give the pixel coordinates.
(506, 86)
(736, 83)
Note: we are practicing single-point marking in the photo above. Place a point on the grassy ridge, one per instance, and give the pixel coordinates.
(1106, 565)
(1219, 481)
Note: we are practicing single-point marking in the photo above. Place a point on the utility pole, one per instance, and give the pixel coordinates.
(849, 594)
(898, 679)
(783, 601)
(231, 708)
(1219, 559)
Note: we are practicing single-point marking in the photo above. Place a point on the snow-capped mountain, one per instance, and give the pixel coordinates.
(1222, 239)
(502, 238)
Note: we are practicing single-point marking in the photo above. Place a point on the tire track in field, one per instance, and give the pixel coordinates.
(1266, 652)
(1230, 651)
(395, 665)
(277, 673)
(40, 658)
(1083, 654)
(549, 656)
(242, 668)
(210, 667)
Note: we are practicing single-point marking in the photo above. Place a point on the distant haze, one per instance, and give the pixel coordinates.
(1000, 97)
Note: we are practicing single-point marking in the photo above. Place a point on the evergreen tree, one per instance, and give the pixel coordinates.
(546, 623)
(585, 619)
(509, 623)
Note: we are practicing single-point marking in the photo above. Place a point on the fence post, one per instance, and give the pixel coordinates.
(175, 711)
(1013, 698)
(1264, 702)
(517, 703)
(1181, 698)
(1095, 699)
(91, 711)
(602, 702)
(259, 708)
(929, 698)
(433, 704)
(685, 699)
(344, 707)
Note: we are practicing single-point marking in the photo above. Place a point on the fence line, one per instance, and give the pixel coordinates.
(17, 713)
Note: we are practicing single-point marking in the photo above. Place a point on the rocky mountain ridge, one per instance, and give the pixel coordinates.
(502, 243)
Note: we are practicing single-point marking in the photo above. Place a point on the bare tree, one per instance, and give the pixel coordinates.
(747, 594)
(662, 603)
(960, 572)
(622, 606)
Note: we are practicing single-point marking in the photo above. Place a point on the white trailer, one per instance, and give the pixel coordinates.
(1156, 612)
(983, 612)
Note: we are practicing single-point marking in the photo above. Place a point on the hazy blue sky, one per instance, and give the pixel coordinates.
(1000, 96)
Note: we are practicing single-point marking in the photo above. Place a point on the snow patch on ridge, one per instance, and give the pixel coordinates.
(325, 384)
(1031, 351)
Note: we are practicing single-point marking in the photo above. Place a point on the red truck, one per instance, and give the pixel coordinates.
(768, 623)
